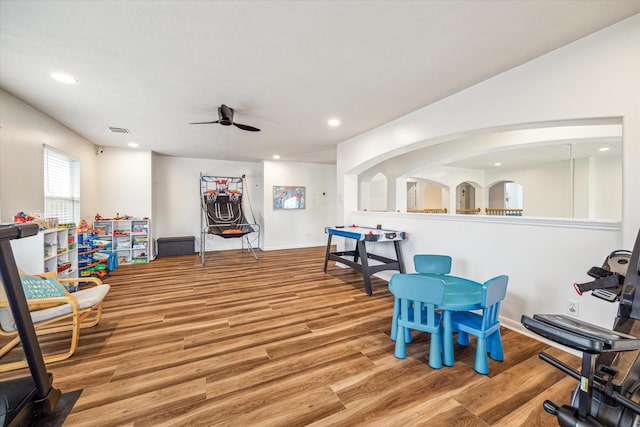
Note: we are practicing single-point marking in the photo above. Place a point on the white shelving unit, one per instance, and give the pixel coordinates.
(61, 251)
(129, 239)
(51, 250)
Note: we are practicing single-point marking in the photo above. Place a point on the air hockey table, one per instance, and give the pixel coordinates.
(358, 258)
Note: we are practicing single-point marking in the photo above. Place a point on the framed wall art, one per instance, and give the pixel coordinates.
(288, 197)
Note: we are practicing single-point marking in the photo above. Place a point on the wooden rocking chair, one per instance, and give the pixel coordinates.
(53, 309)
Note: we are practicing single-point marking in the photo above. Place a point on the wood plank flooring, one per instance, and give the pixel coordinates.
(277, 342)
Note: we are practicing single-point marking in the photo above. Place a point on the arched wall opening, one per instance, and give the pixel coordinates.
(427, 196)
(565, 166)
(373, 193)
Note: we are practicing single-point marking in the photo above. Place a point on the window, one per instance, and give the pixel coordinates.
(61, 187)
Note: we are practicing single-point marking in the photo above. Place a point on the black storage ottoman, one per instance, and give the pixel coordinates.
(172, 246)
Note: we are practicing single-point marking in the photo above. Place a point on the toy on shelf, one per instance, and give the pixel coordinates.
(83, 227)
(90, 261)
(50, 223)
(98, 217)
(124, 217)
(22, 217)
(129, 239)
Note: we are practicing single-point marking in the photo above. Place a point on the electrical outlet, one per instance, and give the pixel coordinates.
(573, 308)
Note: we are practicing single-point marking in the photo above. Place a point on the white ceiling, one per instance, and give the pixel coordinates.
(153, 67)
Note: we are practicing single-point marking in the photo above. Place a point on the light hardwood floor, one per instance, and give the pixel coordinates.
(278, 342)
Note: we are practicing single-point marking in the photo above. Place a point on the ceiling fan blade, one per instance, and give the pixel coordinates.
(246, 127)
(204, 123)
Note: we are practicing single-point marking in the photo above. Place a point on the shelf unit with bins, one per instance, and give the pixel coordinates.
(90, 261)
(61, 251)
(129, 239)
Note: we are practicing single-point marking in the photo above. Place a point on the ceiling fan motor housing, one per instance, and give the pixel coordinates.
(225, 115)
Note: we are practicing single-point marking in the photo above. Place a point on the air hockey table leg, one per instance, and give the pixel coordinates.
(364, 260)
(396, 244)
(326, 258)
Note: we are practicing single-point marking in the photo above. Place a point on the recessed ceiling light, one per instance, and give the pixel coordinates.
(276, 157)
(333, 122)
(64, 78)
(497, 164)
(604, 149)
(133, 144)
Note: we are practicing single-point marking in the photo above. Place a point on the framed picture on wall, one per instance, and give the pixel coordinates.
(288, 197)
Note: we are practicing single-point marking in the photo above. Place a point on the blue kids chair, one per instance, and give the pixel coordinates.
(414, 308)
(424, 264)
(432, 264)
(485, 326)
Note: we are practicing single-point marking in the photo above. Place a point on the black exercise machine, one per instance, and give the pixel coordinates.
(28, 401)
(608, 393)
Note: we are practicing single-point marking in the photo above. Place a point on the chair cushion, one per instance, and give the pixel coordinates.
(86, 298)
(91, 296)
(6, 320)
(38, 316)
(8, 323)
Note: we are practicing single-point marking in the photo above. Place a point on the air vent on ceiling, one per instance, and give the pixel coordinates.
(119, 130)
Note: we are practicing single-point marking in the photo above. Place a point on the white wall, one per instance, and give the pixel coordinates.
(125, 185)
(293, 228)
(23, 132)
(605, 188)
(594, 77)
(377, 194)
(542, 259)
(546, 189)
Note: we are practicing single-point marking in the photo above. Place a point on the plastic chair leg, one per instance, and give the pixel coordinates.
(435, 351)
(463, 338)
(401, 345)
(394, 319)
(495, 346)
(394, 324)
(482, 361)
(407, 335)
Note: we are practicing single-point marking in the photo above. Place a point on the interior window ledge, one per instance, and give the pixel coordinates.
(524, 220)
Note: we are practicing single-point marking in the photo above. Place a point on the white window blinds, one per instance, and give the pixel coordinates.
(61, 187)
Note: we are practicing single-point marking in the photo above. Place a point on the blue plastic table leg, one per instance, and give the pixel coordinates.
(447, 338)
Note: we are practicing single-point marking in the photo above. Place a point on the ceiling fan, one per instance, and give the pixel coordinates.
(225, 118)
